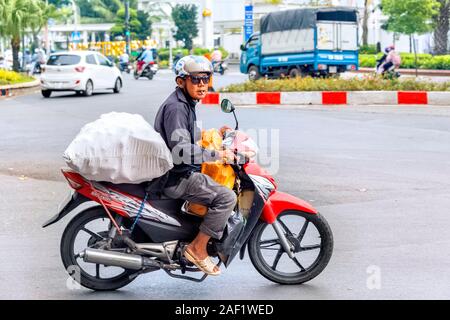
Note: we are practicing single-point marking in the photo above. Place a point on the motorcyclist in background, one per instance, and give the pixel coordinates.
(124, 60)
(216, 57)
(390, 59)
(144, 58)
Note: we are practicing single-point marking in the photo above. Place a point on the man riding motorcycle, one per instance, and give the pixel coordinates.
(144, 58)
(124, 61)
(389, 61)
(176, 122)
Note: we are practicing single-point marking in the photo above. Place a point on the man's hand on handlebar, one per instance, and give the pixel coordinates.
(224, 129)
(227, 156)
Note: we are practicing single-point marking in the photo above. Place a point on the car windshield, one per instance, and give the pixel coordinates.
(63, 60)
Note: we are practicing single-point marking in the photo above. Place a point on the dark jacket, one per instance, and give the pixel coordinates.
(176, 122)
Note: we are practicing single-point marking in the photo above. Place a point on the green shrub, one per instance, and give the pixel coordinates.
(424, 61)
(200, 51)
(164, 53)
(163, 64)
(224, 52)
(369, 49)
(368, 83)
(11, 77)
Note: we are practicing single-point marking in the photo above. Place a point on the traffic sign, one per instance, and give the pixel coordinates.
(248, 22)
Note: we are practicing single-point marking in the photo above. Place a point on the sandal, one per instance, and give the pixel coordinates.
(206, 265)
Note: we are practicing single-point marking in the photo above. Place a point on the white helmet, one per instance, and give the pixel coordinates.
(192, 64)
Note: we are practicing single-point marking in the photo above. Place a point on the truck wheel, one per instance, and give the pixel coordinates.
(253, 73)
(294, 73)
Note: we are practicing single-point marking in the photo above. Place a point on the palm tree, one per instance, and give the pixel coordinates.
(15, 17)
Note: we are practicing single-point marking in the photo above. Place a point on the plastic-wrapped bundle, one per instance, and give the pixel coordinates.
(119, 148)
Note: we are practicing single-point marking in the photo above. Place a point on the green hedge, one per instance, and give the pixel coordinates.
(424, 61)
(369, 49)
(368, 83)
(11, 77)
(164, 53)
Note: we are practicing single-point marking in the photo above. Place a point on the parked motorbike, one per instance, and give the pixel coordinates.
(147, 71)
(220, 67)
(124, 231)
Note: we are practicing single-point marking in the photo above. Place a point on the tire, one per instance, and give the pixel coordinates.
(294, 73)
(319, 264)
(222, 71)
(150, 75)
(46, 93)
(253, 73)
(117, 86)
(69, 259)
(89, 89)
(136, 76)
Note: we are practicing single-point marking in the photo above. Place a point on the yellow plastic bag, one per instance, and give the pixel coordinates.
(221, 173)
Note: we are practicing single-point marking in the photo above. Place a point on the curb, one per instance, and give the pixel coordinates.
(14, 89)
(332, 98)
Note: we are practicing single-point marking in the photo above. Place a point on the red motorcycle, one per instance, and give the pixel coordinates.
(121, 231)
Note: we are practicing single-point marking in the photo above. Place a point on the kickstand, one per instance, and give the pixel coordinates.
(187, 277)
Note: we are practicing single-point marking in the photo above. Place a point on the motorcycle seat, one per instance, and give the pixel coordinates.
(137, 190)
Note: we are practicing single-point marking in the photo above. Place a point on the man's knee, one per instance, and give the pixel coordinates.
(228, 197)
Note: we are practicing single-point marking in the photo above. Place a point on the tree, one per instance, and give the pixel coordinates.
(119, 27)
(410, 17)
(365, 28)
(185, 18)
(15, 17)
(145, 29)
(104, 10)
(442, 28)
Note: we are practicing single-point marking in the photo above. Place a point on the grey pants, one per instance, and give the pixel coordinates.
(200, 188)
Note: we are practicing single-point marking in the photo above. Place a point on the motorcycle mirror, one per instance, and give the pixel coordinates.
(243, 47)
(226, 106)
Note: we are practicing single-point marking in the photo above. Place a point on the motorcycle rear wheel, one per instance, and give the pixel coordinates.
(74, 264)
(258, 247)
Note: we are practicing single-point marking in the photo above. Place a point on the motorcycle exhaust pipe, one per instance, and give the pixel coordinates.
(117, 259)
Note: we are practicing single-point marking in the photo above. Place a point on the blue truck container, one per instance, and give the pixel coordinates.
(301, 42)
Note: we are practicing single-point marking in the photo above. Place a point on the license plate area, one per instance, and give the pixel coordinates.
(332, 69)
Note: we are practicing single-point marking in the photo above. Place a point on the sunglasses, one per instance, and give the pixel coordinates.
(196, 79)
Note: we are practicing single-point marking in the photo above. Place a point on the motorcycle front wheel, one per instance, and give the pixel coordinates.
(90, 229)
(309, 235)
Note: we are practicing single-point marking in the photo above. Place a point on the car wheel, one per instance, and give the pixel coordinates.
(46, 93)
(117, 86)
(89, 88)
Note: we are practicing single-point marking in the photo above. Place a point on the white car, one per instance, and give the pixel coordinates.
(79, 71)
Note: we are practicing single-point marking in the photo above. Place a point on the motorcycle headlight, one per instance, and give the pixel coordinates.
(262, 184)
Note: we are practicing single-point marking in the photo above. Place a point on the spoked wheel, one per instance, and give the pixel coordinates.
(310, 237)
(90, 229)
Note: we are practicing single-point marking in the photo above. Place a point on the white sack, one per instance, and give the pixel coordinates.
(119, 148)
